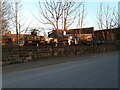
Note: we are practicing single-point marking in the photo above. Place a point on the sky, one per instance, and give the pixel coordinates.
(29, 8)
(119, 13)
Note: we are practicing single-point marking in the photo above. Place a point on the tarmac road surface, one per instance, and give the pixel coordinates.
(94, 72)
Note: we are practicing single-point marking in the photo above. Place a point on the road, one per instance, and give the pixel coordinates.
(96, 72)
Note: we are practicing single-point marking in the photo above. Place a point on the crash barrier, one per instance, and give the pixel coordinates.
(15, 54)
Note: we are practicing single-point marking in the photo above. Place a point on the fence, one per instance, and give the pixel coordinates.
(12, 54)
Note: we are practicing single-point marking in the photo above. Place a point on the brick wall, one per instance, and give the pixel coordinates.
(12, 54)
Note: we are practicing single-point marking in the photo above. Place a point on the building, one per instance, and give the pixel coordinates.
(109, 35)
(24, 39)
(10, 39)
(73, 36)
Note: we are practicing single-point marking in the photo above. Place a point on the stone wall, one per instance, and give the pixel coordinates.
(12, 54)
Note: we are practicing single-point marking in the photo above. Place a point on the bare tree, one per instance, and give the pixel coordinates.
(67, 11)
(51, 13)
(70, 13)
(107, 19)
(115, 17)
(81, 18)
(100, 17)
(57, 13)
(5, 16)
(81, 15)
(18, 21)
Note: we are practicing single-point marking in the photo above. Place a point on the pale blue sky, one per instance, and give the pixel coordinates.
(92, 8)
(29, 7)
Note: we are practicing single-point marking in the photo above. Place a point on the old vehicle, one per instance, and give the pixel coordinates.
(34, 40)
(86, 39)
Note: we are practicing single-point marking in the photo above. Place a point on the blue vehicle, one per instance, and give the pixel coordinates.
(98, 42)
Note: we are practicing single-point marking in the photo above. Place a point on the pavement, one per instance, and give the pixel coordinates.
(93, 71)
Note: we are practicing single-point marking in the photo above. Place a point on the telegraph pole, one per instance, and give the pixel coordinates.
(16, 20)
